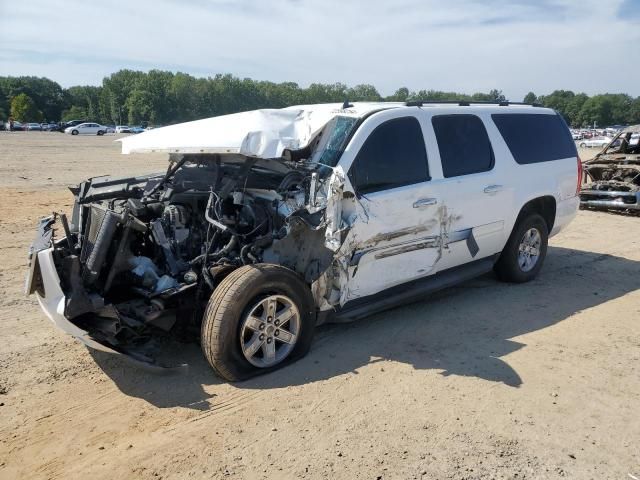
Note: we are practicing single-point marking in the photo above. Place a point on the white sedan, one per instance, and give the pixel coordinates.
(595, 142)
(87, 129)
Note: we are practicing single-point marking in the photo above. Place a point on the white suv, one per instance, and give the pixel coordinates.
(270, 222)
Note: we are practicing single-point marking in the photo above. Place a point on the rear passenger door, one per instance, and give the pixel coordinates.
(394, 239)
(475, 195)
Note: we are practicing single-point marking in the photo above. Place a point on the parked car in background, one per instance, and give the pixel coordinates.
(62, 126)
(14, 127)
(123, 129)
(49, 127)
(137, 130)
(577, 136)
(110, 128)
(86, 129)
(33, 127)
(595, 142)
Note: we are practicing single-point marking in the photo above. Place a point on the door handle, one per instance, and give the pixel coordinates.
(424, 202)
(493, 189)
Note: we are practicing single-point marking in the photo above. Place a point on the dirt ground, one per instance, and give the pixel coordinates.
(485, 380)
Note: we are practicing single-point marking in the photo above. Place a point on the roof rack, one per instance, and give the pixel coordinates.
(466, 103)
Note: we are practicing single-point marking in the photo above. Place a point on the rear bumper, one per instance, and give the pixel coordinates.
(610, 200)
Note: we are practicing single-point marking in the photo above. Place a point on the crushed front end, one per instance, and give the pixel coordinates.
(139, 257)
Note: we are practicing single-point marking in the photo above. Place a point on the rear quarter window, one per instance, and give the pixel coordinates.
(535, 138)
(463, 143)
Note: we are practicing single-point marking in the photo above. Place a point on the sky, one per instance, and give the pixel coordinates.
(457, 45)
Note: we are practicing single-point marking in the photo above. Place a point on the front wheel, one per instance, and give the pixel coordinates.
(525, 251)
(74, 132)
(258, 319)
(100, 133)
(583, 145)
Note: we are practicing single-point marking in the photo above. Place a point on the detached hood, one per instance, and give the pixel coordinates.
(258, 133)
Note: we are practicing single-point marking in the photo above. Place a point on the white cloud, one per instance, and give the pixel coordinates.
(469, 45)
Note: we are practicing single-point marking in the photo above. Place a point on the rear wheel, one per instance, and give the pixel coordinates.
(525, 251)
(259, 318)
(583, 145)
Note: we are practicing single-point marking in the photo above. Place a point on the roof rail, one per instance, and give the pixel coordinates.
(466, 103)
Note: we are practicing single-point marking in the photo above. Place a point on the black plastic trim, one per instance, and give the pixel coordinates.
(412, 291)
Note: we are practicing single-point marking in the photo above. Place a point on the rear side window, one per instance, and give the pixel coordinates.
(534, 138)
(463, 143)
(392, 156)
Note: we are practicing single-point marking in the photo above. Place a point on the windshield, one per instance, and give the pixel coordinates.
(333, 141)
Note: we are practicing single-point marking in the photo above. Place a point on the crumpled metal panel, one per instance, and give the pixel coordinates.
(258, 133)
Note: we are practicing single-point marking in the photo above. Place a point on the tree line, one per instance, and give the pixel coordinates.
(161, 97)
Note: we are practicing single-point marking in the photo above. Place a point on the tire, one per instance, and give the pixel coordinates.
(512, 265)
(74, 132)
(227, 336)
(100, 133)
(583, 145)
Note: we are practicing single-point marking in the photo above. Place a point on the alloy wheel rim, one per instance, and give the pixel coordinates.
(529, 249)
(269, 331)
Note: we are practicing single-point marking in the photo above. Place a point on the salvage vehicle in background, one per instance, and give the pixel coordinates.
(268, 223)
(614, 174)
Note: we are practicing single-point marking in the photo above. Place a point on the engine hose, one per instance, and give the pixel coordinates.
(227, 248)
(243, 254)
(207, 277)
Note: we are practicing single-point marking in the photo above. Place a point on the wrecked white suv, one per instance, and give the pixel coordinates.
(268, 223)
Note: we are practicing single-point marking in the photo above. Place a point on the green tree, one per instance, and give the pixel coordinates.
(530, 98)
(363, 93)
(89, 100)
(558, 100)
(24, 109)
(47, 95)
(633, 116)
(139, 107)
(117, 88)
(573, 107)
(75, 113)
(493, 96)
(400, 95)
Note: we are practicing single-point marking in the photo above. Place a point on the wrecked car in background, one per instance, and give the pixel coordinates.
(267, 223)
(614, 174)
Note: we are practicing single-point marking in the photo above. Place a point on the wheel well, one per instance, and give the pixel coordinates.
(545, 206)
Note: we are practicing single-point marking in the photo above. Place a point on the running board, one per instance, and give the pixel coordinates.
(412, 291)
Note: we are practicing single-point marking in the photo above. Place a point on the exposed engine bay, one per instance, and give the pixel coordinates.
(614, 175)
(146, 252)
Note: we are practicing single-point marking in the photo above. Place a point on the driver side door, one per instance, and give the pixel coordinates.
(395, 238)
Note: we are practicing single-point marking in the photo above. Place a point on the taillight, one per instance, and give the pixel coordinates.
(580, 173)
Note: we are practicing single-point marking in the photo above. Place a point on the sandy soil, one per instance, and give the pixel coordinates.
(485, 380)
